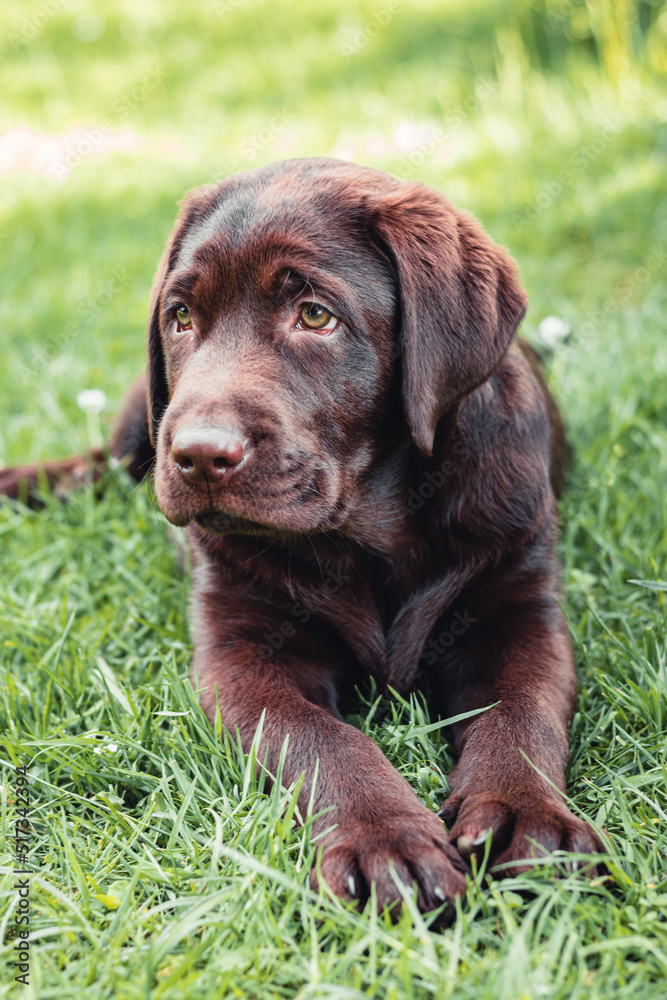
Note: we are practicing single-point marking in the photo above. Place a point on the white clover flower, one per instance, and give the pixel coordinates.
(553, 330)
(107, 748)
(91, 400)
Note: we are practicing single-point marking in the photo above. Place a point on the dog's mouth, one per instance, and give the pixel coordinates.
(301, 519)
(299, 496)
(217, 522)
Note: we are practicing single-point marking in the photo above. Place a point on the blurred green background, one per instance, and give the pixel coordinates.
(546, 118)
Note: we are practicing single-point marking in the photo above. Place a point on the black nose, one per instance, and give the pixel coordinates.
(207, 454)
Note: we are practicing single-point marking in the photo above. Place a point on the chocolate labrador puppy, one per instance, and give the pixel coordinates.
(365, 462)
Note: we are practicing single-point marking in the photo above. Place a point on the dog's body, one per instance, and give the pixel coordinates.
(362, 458)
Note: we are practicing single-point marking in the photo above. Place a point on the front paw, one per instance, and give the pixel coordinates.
(361, 851)
(524, 826)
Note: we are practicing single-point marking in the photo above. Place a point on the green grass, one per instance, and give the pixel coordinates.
(164, 868)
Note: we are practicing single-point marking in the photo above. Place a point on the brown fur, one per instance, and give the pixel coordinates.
(392, 516)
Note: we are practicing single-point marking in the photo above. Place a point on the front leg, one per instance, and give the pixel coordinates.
(377, 817)
(517, 653)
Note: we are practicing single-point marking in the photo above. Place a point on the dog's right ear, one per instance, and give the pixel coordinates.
(194, 207)
(157, 392)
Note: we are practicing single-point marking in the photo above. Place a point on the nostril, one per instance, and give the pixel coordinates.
(203, 454)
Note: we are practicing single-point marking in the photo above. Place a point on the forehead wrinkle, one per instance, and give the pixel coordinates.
(257, 233)
(236, 203)
(207, 284)
(339, 265)
(284, 208)
(235, 216)
(179, 283)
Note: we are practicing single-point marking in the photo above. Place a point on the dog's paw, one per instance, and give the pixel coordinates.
(524, 828)
(414, 847)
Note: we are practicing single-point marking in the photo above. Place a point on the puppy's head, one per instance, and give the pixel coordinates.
(305, 317)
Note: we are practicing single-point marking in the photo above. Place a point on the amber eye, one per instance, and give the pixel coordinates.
(183, 319)
(313, 316)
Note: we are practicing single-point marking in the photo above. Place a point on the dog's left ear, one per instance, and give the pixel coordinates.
(460, 298)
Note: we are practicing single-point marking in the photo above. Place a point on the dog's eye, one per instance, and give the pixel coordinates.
(183, 319)
(313, 316)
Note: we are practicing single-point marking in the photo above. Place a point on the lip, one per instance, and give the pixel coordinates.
(215, 522)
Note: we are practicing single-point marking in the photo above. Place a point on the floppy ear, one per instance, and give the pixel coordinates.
(193, 210)
(460, 297)
(157, 391)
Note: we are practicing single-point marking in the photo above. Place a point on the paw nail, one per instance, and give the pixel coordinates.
(438, 893)
(465, 845)
(351, 885)
(481, 839)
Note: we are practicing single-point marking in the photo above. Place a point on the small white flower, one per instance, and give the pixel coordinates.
(107, 748)
(91, 400)
(553, 330)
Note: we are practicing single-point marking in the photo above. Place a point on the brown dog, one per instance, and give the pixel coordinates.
(365, 464)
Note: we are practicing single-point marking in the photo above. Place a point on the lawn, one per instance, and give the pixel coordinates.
(162, 865)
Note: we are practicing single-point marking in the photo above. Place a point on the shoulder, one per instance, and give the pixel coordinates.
(511, 403)
(497, 446)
